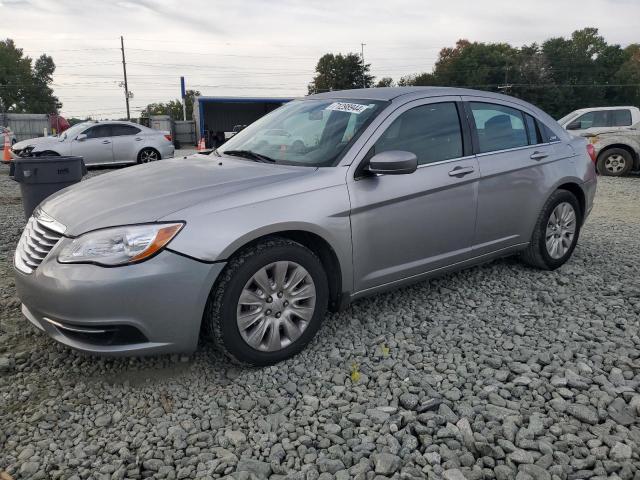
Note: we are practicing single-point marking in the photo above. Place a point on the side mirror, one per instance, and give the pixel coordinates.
(575, 125)
(81, 137)
(393, 162)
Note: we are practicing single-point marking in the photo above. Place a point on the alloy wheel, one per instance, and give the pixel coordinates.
(561, 230)
(147, 156)
(615, 163)
(276, 306)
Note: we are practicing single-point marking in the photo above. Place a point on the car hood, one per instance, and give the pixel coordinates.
(154, 191)
(37, 142)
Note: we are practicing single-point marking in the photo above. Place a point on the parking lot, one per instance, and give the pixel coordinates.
(491, 372)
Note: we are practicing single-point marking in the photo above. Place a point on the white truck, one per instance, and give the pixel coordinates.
(591, 121)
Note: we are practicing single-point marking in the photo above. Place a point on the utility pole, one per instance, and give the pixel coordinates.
(506, 88)
(124, 69)
(364, 77)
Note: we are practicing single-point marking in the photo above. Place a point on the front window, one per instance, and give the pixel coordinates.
(432, 132)
(595, 119)
(74, 131)
(310, 132)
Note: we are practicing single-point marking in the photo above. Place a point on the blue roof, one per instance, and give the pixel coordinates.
(243, 99)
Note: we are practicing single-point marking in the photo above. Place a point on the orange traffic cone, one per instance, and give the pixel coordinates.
(6, 155)
(201, 144)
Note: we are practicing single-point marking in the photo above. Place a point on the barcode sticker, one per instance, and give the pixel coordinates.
(347, 107)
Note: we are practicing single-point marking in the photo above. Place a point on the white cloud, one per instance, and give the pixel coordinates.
(261, 47)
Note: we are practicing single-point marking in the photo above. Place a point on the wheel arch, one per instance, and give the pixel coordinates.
(318, 245)
(47, 151)
(577, 191)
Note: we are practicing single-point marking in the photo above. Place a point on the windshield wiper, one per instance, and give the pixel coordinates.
(258, 157)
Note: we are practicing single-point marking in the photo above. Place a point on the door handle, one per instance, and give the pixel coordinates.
(105, 142)
(538, 156)
(138, 139)
(461, 171)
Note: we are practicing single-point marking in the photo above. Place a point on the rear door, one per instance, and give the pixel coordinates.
(127, 141)
(516, 157)
(406, 225)
(96, 148)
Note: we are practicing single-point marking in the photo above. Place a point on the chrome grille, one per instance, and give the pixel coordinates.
(36, 242)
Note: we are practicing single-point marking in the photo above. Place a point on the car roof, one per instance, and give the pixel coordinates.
(590, 109)
(391, 93)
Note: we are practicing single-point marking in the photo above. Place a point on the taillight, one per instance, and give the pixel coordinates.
(592, 152)
(168, 136)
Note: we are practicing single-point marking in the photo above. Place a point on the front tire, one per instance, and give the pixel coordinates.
(268, 303)
(556, 232)
(615, 162)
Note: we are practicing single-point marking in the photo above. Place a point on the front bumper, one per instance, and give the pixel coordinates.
(147, 308)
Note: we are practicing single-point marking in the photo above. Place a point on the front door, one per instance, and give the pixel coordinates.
(406, 225)
(96, 148)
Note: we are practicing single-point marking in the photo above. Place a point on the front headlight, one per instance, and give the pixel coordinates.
(119, 245)
(25, 152)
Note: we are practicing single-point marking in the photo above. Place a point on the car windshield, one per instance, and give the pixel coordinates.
(75, 130)
(310, 132)
(566, 117)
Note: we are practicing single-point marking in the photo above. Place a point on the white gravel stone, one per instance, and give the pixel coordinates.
(499, 371)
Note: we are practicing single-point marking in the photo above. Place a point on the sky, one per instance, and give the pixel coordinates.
(270, 47)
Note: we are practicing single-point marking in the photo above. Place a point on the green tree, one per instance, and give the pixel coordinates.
(173, 108)
(340, 72)
(559, 75)
(385, 82)
(418, 80)
(24, 87)
(629, 74)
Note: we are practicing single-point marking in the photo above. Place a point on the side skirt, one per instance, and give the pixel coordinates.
(347, 297)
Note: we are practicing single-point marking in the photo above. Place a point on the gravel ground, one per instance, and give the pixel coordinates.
(497, 372)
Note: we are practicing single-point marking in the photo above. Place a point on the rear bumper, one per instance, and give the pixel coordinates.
(148, 308)
(168, 151)
(589, 189)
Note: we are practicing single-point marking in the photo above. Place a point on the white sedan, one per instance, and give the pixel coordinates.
(102, 143)
(7, 131)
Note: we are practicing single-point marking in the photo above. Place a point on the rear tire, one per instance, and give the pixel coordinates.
(556, 232)
(264, 321)
(615, 162)
(148, 154)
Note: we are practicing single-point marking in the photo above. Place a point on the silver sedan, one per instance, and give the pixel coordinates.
(102, 143)
(255, 242)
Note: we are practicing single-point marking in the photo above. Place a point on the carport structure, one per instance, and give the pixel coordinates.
(221, 114)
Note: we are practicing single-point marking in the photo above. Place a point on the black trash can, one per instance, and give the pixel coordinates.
(40, 177)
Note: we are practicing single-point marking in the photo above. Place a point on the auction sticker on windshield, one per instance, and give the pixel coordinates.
(347, 107)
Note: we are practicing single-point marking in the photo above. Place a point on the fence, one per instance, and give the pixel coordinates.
(25, 125)
(184, 132)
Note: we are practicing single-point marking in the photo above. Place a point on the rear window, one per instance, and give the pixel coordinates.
(121, 130)
(620, 118)
(498, 127)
